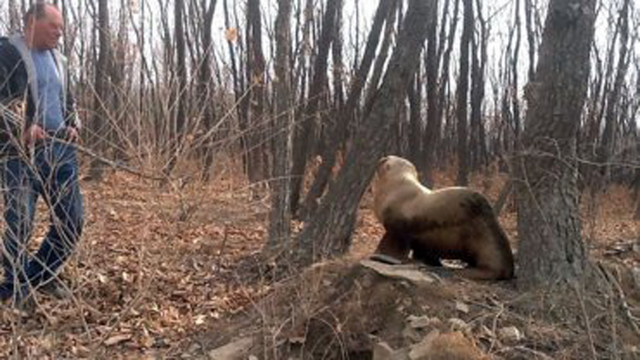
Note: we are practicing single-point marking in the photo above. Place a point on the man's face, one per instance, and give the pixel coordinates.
(47, 30)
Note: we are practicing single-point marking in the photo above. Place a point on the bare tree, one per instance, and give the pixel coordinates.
(329, 232)
(477, 148)
(463, 93)
(206, 85)
(179, 96)
(613, 99)
(531, 38)
(548, 214)
(434, 150)
(14, 17)
(305, 138)
(280, 215)
(346, 114)
(257, 164)
(432, 130)
(100, 118)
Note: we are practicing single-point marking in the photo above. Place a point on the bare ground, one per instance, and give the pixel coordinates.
(157, 276)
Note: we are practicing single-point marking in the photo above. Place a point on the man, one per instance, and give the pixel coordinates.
(38, 156)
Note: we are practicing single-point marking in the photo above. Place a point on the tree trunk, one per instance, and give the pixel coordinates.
(381, 60)
(329, 232)
(531, 39)
(607, 143)
(548, 213)
(280, 215)
(463, 94)
(99, 119)
(436, 150)
(304, 141)
(477, 150)
(414, 92)
(337, 59)
(515, 84)
(206, 84)
(14, 17)
(238, 83)
(346, 114)
(257, 92)
(432, 130)
(179, 96)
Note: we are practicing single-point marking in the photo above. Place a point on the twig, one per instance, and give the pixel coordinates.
(494, 326)
(15, 120)
(586, 321)
(122, 315)
(222, 247)
(115, 164)
(633, 321)
(526, 350)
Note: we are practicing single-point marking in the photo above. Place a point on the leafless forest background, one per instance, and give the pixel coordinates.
(174, 91)
(166, 82)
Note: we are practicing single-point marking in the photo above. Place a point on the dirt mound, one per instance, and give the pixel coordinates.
(347, 310)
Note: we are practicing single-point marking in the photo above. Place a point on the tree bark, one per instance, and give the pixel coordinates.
(383, 53)
(255, 67)
(607, 142)
(99, 119)
(304, 143)
(179, 95)
(551, 248)
(280, 215)
(329, 232)
(463, 95)
(531, 38)
(206, 83)
(416, 132)
(477, 146)
(346, 114)
(433, 126)
(437, 151)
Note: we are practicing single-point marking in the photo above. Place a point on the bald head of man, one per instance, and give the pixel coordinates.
(43, 26)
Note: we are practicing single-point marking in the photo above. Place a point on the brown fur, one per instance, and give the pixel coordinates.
(450, 223)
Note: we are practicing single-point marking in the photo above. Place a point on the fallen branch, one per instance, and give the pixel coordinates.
(15, 120)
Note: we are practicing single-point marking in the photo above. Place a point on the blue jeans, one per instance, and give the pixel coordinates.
(54, 176)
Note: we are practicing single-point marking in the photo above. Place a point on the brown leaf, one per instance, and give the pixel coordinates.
(116, 339)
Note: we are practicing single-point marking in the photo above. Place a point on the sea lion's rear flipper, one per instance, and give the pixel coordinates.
(392, 247)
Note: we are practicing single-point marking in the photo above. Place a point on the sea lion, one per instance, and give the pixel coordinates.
(449, 223)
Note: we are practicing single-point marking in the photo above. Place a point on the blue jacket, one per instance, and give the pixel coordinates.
(18, 89)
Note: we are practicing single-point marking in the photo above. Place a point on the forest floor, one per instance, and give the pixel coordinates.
(156, 274)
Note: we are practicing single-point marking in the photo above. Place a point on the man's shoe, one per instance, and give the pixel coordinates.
(55, 288)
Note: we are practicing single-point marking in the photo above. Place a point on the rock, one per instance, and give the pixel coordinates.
(237, 350)
(485, 332)
(420, 322)
(447, 346)
(456, 324)
(382, 351)
(462, 307)
(403, 272)
(411, 334)
(422, 349)
(633, 351)
(510, 334)
(636, 277)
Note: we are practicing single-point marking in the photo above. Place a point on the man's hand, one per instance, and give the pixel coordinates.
(72, 134)
(34, 132)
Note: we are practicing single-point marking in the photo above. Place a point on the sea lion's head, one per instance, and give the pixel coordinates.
(392, 165)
